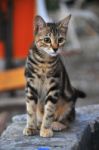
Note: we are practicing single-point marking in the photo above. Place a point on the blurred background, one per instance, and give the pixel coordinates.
(81, 52)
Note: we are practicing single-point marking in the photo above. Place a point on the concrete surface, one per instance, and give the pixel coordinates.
(78, 137)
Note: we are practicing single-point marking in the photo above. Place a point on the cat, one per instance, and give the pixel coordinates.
(50, 97)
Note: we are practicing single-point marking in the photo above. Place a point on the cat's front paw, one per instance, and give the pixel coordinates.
(29, 131)
(46, 132)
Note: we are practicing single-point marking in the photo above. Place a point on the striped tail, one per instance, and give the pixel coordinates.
(77, 94)
(80, 94)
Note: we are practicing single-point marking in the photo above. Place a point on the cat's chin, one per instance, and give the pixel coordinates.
(53, 54)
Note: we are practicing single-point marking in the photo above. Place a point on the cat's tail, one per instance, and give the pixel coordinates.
(80, 94)
(77, 94)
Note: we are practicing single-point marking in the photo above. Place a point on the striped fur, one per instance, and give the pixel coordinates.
(50, 97)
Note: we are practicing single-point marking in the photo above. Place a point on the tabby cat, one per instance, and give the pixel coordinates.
(50, 97)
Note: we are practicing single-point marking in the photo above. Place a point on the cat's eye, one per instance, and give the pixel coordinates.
(60, 40)
(47, 40)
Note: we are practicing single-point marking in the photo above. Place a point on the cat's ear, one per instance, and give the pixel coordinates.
(65, 22)
(39, 23)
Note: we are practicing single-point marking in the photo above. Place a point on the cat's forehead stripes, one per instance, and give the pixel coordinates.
(53, 28)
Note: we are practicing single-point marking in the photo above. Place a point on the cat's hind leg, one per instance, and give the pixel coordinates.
(57, 126)
(63, 115)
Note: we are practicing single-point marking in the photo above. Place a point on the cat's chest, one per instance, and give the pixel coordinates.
(43, 79)
(44, 70)
(42, 85)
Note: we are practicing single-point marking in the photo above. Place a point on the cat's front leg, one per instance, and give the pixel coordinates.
(31, 127)
(48, 117)
(31, 106)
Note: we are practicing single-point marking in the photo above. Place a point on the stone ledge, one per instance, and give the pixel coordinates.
(83, 134)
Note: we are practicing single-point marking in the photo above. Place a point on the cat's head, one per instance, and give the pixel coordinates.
(50, 37)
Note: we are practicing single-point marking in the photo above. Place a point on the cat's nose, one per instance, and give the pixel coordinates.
(55, 49)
